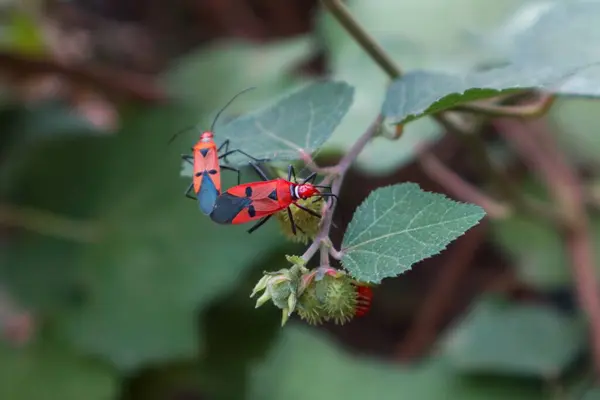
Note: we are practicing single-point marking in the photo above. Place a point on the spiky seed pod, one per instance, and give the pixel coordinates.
(307, 225)
(310, 307)
(340, 298)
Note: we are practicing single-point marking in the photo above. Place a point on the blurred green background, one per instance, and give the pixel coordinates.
(114, 286)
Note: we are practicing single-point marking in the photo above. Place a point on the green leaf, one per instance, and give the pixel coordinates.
(302, 121)
(529, 340)
(47, 371)
(536, 248)
(159, 260)
(400, 225)
(419, 93)
(576, 39)
(306, 365)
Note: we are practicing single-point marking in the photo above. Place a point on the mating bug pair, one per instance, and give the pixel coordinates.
(244, 202)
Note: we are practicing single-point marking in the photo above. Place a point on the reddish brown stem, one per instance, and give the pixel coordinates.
(430, 316)
(116, 83)
(460, 188)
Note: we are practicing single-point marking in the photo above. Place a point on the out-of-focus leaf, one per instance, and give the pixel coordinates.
(575, 41)
(47, 371)
(536, 247)
(302, 121)
(209, 77)
(22, 35)
(420, 93)
(221, 371)
(159, 260)
(30, 126)
(400, 225)
(574, 123)
(592, 394)
(304, 365)
(529, 340)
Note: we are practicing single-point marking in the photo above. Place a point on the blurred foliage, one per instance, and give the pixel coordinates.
(507, 339)
(149, 298)
(535, 246)
(49, 368)
(305, 365)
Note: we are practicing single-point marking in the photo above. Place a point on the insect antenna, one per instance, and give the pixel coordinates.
(212, 126)
(189, 128)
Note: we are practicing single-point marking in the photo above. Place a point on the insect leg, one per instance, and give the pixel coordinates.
(188, 158)
(259, 171)
(224, 155)
(260, 223)
(232, 169)
(187, 192)
(292, 222)
(225, 145)
(311, 178)
(308, 210)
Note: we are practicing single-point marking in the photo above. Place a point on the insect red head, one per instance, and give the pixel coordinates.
(206, 136)
(306, 190)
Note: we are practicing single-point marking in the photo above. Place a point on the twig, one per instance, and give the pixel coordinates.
(340, 172)
(470, 139)
(461, 188)
(118, 83)
(534, 110)
(47, 223)
(369, 45)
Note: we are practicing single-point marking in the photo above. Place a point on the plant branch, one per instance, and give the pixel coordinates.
(470, 139)
(340, 171)
(369, 45)
(534, 110)
(462, 189)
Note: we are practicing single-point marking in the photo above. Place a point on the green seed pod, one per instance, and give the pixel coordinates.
(307, 225)
(340, 298)
(310, 307)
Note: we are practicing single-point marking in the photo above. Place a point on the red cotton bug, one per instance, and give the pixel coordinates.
(260, 200)
(206, 181)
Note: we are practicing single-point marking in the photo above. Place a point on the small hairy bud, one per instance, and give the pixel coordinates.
(282, 287)
(307, 225)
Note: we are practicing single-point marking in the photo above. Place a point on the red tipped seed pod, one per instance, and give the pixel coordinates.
(364, 295)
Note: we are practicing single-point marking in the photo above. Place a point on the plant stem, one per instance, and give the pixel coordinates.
(369, 45)
(534, 110)
(460, 188)
(471, 140)
(340, 172)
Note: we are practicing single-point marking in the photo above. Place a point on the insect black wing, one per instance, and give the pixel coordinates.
(227, 207)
